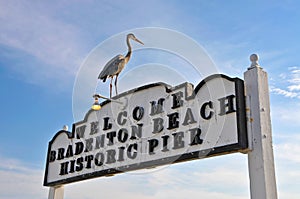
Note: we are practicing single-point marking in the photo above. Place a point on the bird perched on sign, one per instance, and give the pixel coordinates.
(117, 64)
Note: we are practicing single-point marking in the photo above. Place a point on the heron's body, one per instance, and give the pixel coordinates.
(117, 64)
(113, 67)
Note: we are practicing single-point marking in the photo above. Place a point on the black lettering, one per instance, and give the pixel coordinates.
(99, 159)
(121, 154)
(119, 118)
(64, 168)
(80, 131)
(173, 120)
(228, 107)
(111, 156)
(72, 166)
(158, 125)
(110, 136)
(132, 151)
(136, 131)
(195, 136)
(52, 156)
(94, 128)
(79, 163)
(69, 152)
(88, 145)
(122, 135)
(178, 140)
(152, 144)
(157, 108)
(177, 101)
(88, 160)
(138, 113)
(165, 143)
(79, 148)
(106, 125)
(100, 141)
(189, 117)
(60, 153)
(203, 109)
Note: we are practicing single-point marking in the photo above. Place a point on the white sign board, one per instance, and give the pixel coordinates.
(150, 126)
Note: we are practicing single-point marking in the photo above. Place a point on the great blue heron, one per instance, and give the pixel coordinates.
(116, 64)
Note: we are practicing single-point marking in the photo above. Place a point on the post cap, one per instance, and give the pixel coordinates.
(254, 61)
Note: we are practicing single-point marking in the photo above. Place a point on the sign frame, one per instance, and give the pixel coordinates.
(241, 146)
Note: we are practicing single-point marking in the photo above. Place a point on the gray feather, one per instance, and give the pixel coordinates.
(111, 68)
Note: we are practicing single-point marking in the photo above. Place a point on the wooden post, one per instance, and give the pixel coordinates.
(260, 157)
(56, 192)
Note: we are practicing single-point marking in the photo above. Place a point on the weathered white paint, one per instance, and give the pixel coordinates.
(56, 192)
(260, 158)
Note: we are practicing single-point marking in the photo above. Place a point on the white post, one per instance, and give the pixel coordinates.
(260, 157)
(56, 192)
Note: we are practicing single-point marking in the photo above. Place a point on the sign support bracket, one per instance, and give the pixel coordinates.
(260, 157)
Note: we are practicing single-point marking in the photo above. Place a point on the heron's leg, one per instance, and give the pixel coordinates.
(116, 80)
(110, 87)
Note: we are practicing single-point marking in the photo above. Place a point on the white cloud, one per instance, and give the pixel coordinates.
(176, 181)
(295, 76)
(287, 161)
(288, 152)
(55, 37)
(282, 76)
(53, 47)
(286, 116)
(282, 92)
(19, 181)
(294, 87)
(288, 148)
(292, 80)
(31, 30)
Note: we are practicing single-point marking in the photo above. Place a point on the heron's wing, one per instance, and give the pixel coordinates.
(111, 67)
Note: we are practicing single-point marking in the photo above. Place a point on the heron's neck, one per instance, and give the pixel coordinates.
(127, 57)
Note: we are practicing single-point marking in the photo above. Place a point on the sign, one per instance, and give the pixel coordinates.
(150, 126)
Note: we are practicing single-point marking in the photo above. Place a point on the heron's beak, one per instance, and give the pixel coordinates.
(135, 39)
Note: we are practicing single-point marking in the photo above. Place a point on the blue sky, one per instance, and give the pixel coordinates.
(43, 44)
